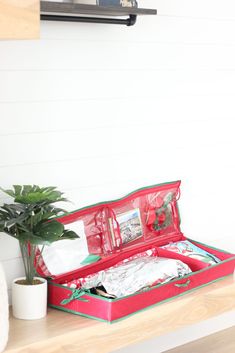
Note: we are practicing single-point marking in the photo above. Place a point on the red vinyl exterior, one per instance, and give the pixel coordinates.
(98, 238)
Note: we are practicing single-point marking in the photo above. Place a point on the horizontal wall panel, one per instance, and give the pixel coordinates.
(225, 243)
(8, 245)
(89, 144)
(13, 268)
(57, 85)
(121, 56)
(191, 8)
(109, 56)
(184, 162)
(203, 223)
(85, 172)
(57, 116)
(69, 85)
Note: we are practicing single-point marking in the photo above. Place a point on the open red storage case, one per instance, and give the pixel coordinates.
(145, 220)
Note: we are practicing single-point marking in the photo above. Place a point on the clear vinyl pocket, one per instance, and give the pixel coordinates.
(102, 227)
(161, 215)
(144, 218)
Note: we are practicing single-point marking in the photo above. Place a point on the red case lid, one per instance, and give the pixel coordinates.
(149, 214)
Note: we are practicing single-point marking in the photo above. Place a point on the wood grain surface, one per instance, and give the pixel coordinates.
(221, 342)
(63, 332)
(19, 19)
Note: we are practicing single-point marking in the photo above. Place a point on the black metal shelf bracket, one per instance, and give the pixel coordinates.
(130, 21)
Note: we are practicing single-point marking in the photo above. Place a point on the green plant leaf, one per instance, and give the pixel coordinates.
(4, 214)
(26, 189)
(36, 217)
(50, 230)
(10, 211)
(48, 188)
(33, 239)
(13, 208)
(17, 189)
(69, 234)
(8, 192)
(31, 197)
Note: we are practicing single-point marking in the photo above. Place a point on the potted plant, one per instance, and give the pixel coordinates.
(31, 220)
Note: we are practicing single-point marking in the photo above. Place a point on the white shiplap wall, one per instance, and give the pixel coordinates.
(100, 110)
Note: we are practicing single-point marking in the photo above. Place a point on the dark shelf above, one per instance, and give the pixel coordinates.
(60, 11)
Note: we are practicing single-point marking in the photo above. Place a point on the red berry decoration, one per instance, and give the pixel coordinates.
(161, 218)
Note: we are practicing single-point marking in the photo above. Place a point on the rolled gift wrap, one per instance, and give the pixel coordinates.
(136, 275)
(186, 248)
(4, 311)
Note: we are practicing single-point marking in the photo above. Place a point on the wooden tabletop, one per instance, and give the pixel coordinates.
(63, 332)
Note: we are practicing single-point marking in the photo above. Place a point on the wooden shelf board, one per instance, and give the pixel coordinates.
(220, 342)
(60, 331)
(48, 7)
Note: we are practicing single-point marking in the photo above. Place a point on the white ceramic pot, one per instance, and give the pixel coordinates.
(29, 302)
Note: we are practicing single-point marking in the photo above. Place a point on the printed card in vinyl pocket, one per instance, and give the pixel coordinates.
(130, 227)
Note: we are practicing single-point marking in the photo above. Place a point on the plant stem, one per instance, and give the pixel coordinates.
(23, 258)
(30, 259)
(28, 262)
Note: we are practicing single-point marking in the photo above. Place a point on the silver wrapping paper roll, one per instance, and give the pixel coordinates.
(136, 275)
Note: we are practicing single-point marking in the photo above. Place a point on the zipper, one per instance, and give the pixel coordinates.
(139, 192)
